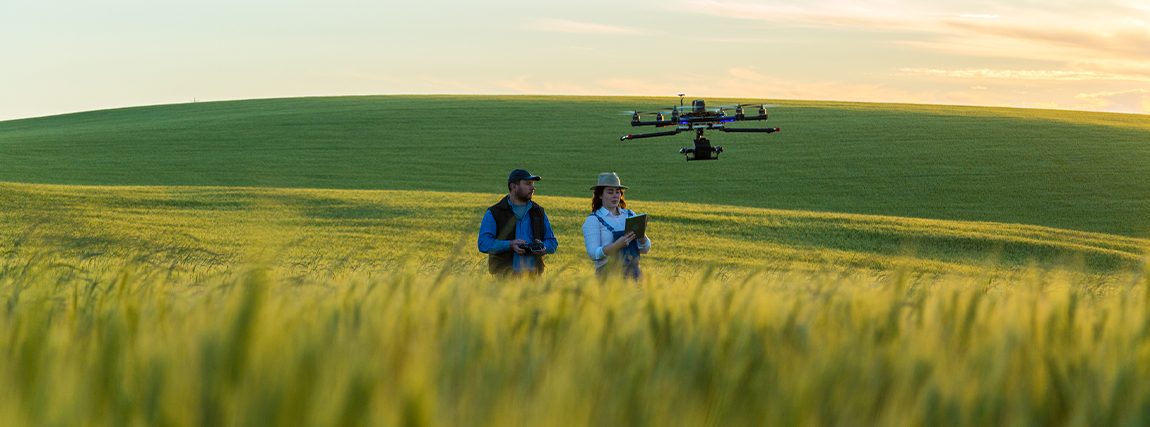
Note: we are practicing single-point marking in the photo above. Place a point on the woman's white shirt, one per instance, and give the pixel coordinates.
(596, 236)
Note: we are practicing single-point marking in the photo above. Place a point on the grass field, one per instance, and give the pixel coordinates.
(1063, 169)
(357, 230)
(189, 306)
(115, 345)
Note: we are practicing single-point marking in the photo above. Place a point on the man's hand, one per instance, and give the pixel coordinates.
(542, 251)
(515, 246)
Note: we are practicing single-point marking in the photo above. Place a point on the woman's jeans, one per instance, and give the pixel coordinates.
(625, 261)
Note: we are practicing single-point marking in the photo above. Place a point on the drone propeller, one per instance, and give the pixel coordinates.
(630, 113)
(748, 105)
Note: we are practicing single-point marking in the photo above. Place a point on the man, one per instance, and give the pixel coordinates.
(511, 225)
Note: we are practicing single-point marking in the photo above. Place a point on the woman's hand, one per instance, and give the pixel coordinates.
(619, 243)
(643, 240)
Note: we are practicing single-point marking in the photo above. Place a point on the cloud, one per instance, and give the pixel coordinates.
(1137, 100)
(1086, 33)
(440, 85)
(1091, 40)
(524, 85)
(747, 83)
(563, 26)
(750, 83)
(736, 83)
(634, 86)
(520, 85)
(1144, 6)
(1021, 74)
(748, 74)
(361, 75)
(835, 13)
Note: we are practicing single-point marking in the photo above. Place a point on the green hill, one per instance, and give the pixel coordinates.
(219, 294)
(1062, 169)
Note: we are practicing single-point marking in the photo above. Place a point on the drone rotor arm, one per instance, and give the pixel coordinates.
(659, 123)
(767, 130)
(649, 135)
(745, 118)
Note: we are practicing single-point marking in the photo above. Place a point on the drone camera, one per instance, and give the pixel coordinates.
(702, 151)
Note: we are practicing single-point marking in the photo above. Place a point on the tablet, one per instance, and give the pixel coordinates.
(638, 224)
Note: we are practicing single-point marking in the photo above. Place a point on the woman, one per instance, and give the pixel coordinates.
(603, 230)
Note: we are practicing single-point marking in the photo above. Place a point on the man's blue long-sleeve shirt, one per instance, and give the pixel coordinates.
(489, 245)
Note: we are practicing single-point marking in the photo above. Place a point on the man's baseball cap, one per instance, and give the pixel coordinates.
(520, 174)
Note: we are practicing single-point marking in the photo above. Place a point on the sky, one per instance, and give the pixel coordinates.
(61, 56)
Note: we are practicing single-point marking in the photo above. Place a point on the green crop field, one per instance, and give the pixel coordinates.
(183, 306)
(357, 230)
(313, 262)
(1063, 169)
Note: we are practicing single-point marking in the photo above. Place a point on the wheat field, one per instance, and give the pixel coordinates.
(191, 306)
(133, 344)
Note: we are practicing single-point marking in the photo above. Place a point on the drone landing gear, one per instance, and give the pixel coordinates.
(703, 149)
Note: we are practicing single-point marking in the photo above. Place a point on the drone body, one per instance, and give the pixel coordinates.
(698, 118)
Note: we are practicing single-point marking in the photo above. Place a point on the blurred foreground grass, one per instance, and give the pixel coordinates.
(123, 345)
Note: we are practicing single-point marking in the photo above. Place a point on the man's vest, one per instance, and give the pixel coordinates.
(505, 223)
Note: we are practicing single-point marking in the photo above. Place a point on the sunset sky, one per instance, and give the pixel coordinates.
(59, 56)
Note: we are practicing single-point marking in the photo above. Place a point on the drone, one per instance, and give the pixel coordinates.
(699, 118)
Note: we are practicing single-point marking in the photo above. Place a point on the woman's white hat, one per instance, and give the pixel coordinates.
(608, 179)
